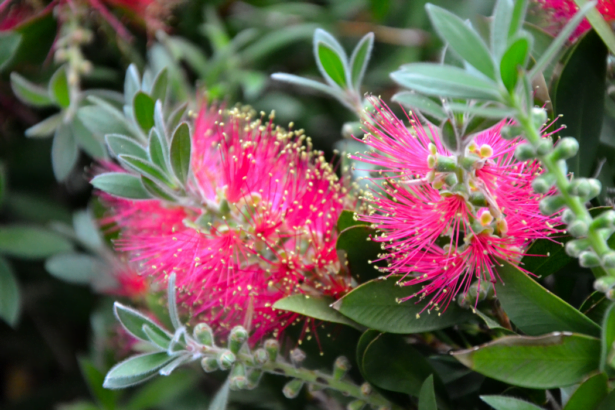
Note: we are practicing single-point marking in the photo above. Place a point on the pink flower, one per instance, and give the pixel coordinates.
(259, 226)
(559, 12)
(444, 225)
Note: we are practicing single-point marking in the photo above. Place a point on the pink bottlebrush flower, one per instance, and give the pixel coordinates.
(443, 227)
(559, 12)
(259, 226)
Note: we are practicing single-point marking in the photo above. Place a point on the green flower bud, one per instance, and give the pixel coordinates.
(578, 228)
(297, 356)
(585, 188)
(525, 152)
(254, 378)
(238, 379)
(340, 367)
(226, 359)
(565, 148)
(261, 356)
(604, 284)
(509, 132)
(237, 338)
(272, 347)
(445, 164)
(356, 405)
(605, 220)
(544, 146)
(366, 389)
(292, 388)
(352, 129)
(589, 259)
(608, 260)
(539, 116)
(451, 179)
(209, 364)
(469, 161)
(203, 333)
(478, 199)
(568, 216)
(575, 247)
(543, 183)
(552, 204)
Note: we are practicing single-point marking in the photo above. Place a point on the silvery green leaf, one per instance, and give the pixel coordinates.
(64, 152)
(45, 128)
(136, 369)
(121, 184)
(28, 92)
(72, 267)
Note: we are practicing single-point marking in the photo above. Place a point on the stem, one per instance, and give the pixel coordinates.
(532, 134)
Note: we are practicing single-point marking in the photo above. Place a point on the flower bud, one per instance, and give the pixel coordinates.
(509, 132)
(261, 356)
(292, 388)
(565, 148)
(431, 161)
(209, 364)
(203, 333)
(469, 161)
(604, 284)
(297, 356)
(585, 188)
(543, 183)
(340, 367)
(525, 152)
(478, 199)
(605, 220)
(544, 146)
(226, 359)
(237, 338)
(351, 129)
(578, 228)
(608, 260)
(589, 259)
(254, 378)
(451, 179)
(539, 116)
(575, 247)
(238, 379)
(366, 389)
(356, 405)
(272, 347)
(552, 204)
(568, 216)
(445, 164)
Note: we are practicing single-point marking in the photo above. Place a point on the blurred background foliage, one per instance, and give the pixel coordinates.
(228, 49)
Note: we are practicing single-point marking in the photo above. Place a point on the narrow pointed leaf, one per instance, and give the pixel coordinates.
(421, 103)
(45, 128)
(29, 242)
(518, 17)
(58, 88)
(136, 369)
(143, 109)
(508, 403)
(500, 25)
(73, 267)
(514, 59)
(159, 88)
(589, 394)
(220, 400)
(123, 145)
(9, 43)
(87, 140)
(158, 149)
(28, 92)
(156, 190)
(134, 322)
(359, 60)
(64, 152)
(132, 84)
(331, 65)
(143, 167)
(427, 395)
(314, 307)
(121, 184)
(608, 338)
(180, 152)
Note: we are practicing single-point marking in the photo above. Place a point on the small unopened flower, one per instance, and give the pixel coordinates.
(559, 12)
(258, 224)
(446, 219)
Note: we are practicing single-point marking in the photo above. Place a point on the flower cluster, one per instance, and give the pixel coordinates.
(446, 219)
(559, 12)
(258, 224)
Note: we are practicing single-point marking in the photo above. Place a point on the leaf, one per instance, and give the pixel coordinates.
(445, 81)
(595, 306)
(508, 403)
(102, 121)
(29, 242)
(58, 88)
(123, 145)
(45, 128)
(421, 103)
(546, 256)
(9, 43)
(94, 379)
(87, 230)
(220, 400)
(462, 39)
(316, 85)
(156, 338)
(331, 65)
(145, 168)
(346, 220)
(3, 183)
(172, 303)
(176, 116)
(132, 84)
(134, 322)
(180, 152)
(314, 307)
(517, 18)
(143, 109)
(158, 149)
(374, 304)
(72, 267)
(608, 338)
(554, 360)
(500, 24)
(161, 391)
(534, 309)
(579, 97)
(121, 184)
(157, 190)
(64, 152)
(589, 394)
(427, 395)
(86, 139)
(159, 88)
(28, 92)
(514, 59)
(9, 294)
(608, 403)
(359, 60)
(136, 369)
(481, 111)
(358, 252)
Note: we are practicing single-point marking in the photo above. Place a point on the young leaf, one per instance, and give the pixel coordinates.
(500, 26)
(158, 149)
(134, 322)
(545, 362)
(172, 303)
(145, 168)
(427, 395)
(121, 184)
(86, 139)
(462, 39)
(314, 307)
(9, 43)
(359, 60)
(102, 121)
(535, 310)
(45, 128)
(136, 369)
(517, 18)
(132, 84)
(508, 403)
(9, 294)
(159, 88)
(58, 88)
(123, 145)
(29, 93)
(64, 152)
(73, 267)
(157, 190)
(176, 116)
(445, 81)
(305, 82)
(29, 242)
(143, 109)
(180, 152)
(159, 121)
(421, 103)
(514, 58)
(331, 65)
(162, 341)
(589, 394)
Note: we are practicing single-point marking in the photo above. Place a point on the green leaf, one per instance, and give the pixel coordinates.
(500, 26)
(132, 84)
(514, 59)
(86, 139)
(608, 338)
(481, 111)
(517, 18)
(64, 152)
(220, 400)
(9, 294)
(87, 230)
(123, 145)
(180, 152)
(508, 403)
(534, 309)
(158, 149)
(595, 306)
(346, 220)
(121, 184)
(445, 81)
(359, 60)
(29, 242)
(374, 305)
(314, 307)
(544, 362)
(589, 394)
(357, 251)
(579, 97)
(157, 190)
(73, 267)
(45, 128)
(134, 322)
(162, 341)
(136, 369)
(391, 363)
(94, 379)
(159, 88)
(9, 43)
(28, 92)
(420, 103)
(143, 109)
(462, 39)
(331, 65)
(163, 390)
(176, 116)
(546, 256)
(608, 403)
(102, 121)
(145, 168)
(427, 395)
(58, 88)
(316, 85)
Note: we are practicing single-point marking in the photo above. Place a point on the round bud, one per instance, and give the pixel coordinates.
(543, 183)
(451, 179)
(469, 161)
(297, 356)
(340, 367)
(209, 364)
(237, 338)
(539, 116)
(478, 199)
(292, 388)
(575, 247)
(568, 216)
(509, 132)
(272, 347)
(608, 260)
(238, 379)
(254, 377)
(226, 359)
(604, 284)
(203, 334)
(565, 148)
(544, 146)
(525, 152)
(366, 389)
(356, 405)
(261, 356)
(589, 259)
(351, 129)
(550, 205)
(445, 164)
(605, 220)
(433, 150)
(578, 228)
(431, 161)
